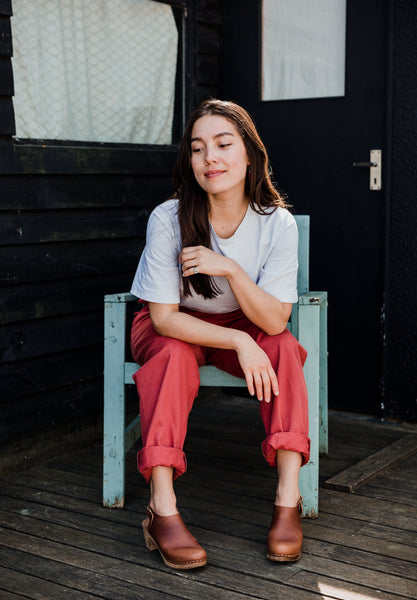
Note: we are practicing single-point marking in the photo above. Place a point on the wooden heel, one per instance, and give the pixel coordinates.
(150, 544)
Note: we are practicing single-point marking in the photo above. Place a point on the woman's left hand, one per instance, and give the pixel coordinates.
(199, 259)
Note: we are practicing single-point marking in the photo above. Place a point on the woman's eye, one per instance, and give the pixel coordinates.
(195, 150)
(225, 145)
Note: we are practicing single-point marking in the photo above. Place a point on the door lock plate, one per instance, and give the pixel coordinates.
(375, 170)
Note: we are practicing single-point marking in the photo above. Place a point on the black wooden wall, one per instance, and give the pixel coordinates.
(73, 223)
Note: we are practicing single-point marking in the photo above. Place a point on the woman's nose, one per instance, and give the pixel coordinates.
(210, 155)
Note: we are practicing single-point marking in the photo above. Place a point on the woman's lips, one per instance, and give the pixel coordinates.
(211, 174)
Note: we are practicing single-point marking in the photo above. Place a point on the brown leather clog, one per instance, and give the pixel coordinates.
(285, 537)
(178, 548)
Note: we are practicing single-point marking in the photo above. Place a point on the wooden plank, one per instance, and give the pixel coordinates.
(17, 453)
(78, 580)
(6, 7)
(392, 480)
(34, 587)
(114, 420)
(208, 375)
(67, 260)
(7, 124)
(371, 425)
(48, 192)
(208, 11)
(5, 36)
(368, 468)
(208, 69)
(6, 83)
(10, 595)
(379, 511)
(208, 40)
(45, 416)
(32, 339)
(39, 374)
(46, 226)
(381, 493)
(47, 299)
(412, 463)
(29, 158)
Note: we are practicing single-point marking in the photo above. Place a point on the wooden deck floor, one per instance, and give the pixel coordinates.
(57, 541)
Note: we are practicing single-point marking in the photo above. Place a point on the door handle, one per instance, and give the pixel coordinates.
(374, 166)
(364, 164)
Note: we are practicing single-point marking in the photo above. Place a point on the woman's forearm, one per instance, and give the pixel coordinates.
(265, 311)
(188, 328)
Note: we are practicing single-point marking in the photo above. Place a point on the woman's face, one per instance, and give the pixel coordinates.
(218, 156)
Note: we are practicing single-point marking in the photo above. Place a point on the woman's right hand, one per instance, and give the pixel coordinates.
(256, 366)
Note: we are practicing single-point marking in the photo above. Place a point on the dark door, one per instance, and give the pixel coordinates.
(313, 144)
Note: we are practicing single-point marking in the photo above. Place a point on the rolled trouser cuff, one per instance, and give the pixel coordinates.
(295, 442)
(161, 456)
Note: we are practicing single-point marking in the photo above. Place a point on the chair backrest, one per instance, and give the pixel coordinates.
(303, 224)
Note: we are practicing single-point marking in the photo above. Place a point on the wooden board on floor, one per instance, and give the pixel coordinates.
(352, 478)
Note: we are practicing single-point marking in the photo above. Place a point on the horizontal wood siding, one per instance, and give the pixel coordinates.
(56, 265)
(73, 227)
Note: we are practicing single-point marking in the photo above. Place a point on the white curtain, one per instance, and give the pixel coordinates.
(94, 70)
(303, 49)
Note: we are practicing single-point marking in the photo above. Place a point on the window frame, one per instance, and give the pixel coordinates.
(40, 156)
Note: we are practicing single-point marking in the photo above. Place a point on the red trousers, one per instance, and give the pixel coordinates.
(168, 383)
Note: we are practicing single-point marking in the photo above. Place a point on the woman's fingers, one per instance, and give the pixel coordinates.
(249, 383)
(190, 259)
(260, 377)
(204, 260)
(259, 387)
(263, 384)
(274, 381)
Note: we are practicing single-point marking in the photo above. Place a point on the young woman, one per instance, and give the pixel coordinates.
(219, 275)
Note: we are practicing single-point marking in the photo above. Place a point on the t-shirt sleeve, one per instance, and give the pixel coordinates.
(279, 273)
(157, 277)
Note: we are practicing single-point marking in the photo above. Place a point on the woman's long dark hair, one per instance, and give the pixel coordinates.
(193, 211)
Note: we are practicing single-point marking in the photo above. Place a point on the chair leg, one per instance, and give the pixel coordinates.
(114, 406)
(323, 425)
(309, 337)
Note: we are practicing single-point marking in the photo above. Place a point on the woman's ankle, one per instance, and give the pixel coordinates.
(163, 500)
(163, 507)
(287, 497)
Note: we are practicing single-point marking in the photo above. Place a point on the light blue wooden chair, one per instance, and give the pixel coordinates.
(308, 324)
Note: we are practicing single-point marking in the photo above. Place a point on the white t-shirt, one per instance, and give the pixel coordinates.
(265, 246)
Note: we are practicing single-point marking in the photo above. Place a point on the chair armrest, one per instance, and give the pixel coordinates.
(312, 298)
(120, 298)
